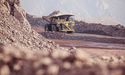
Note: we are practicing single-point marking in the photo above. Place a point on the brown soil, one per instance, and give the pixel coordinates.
(94, 48)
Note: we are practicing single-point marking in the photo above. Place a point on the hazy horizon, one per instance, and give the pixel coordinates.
(104, 11)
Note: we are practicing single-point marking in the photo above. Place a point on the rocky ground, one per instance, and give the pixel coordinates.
(16, 30)
(25, 52)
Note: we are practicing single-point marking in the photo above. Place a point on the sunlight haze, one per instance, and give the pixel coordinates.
(104, 11)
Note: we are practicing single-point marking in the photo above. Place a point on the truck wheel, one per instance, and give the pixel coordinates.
(54, 28)
(46, 27)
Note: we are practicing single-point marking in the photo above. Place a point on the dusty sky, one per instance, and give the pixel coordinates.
(104, 11)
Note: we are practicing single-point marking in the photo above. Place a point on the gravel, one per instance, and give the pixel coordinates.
(16, 30)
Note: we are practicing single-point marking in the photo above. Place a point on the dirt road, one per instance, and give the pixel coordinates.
(93, 48)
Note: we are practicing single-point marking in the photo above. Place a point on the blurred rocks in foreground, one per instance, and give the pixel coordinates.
(16, 61)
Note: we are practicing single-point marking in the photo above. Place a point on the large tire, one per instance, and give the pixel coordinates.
(60, 27)
(46, 28)
(49, 26)
(54, 28)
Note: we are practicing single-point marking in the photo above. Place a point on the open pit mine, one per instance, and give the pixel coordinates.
(78, 48)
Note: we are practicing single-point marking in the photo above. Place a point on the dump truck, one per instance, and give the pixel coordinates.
(60, 23)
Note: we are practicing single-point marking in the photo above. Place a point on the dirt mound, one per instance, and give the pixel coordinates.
(40, 22)
(16, 30)
(35, 21)
(94, 28)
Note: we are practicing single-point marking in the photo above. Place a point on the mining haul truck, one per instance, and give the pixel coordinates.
(61, 23)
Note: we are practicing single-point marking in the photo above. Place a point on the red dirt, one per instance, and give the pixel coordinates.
(94, 48)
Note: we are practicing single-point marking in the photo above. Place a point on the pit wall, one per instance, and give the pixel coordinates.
(94, 28)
